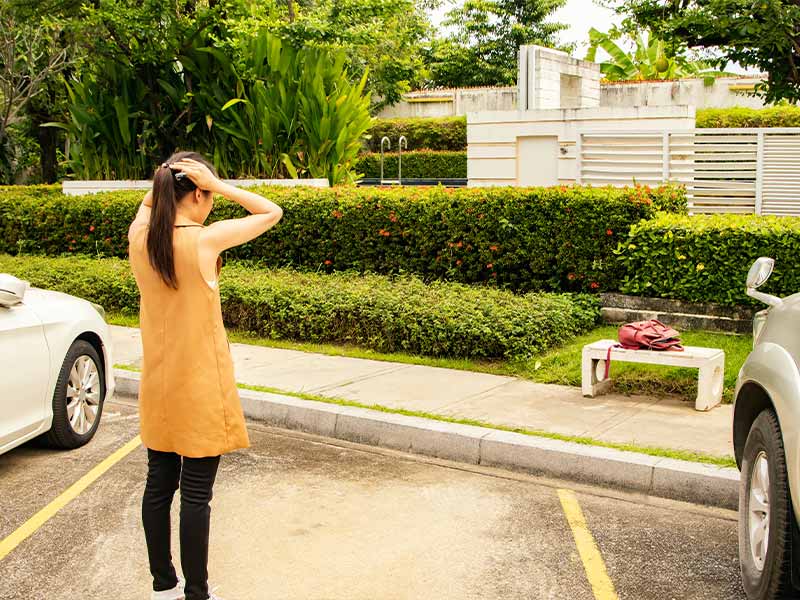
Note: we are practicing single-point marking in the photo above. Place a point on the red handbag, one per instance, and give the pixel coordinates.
(645, 335)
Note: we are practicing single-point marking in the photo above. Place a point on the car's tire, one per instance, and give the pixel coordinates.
(81, 386)
(765, 509)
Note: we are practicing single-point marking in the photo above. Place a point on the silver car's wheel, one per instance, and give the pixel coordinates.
(78, 397)
(765, 513)
(83, 394)
(758, 511)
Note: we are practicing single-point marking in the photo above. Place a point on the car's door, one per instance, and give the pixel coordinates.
(24, 369)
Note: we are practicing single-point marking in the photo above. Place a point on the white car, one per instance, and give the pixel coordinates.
(57, 369)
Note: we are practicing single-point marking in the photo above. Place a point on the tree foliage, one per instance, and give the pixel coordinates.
(761, 34)
(486, 35)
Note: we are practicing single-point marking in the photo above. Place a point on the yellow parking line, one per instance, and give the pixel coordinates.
(30, 526)
(593, 563)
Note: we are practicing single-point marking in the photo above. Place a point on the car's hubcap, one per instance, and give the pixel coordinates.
(83, 394)
(758, 518)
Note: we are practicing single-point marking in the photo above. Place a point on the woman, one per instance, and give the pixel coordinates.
(189, 406)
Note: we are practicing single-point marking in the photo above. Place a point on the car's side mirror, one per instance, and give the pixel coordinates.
(12, 289)
(760, 272)
(757, 276)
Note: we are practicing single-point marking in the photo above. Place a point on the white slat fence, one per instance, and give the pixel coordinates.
(724, 170)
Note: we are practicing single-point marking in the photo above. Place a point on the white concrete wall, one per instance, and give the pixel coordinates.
(497, 156)
(452, 102)
(725, 92)
(552, 79)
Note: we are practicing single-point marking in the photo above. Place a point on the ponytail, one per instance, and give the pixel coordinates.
(162, 220)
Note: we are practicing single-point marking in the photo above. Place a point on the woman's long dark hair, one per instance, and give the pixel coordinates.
(167, 190)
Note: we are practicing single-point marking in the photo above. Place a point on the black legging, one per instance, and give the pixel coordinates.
(196, 480)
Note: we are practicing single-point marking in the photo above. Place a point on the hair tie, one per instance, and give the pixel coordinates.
(165, 165)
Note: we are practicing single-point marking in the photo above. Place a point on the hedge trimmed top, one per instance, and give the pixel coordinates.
(559, 238)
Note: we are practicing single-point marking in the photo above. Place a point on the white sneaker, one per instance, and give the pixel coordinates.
(175, 593)
(212, 595)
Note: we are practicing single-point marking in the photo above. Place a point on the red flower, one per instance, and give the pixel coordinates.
(493, 248)
(494, 274)
(570, 276)
(489, 265)
(458, 262)
(459, 244)
(609, 232)
(337, 214)
(594, 285)
(328, 262)
(91, 227)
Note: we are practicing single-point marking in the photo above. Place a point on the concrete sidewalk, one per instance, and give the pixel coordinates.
(492, 399)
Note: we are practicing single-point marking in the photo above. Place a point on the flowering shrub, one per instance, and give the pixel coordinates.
(559, 239)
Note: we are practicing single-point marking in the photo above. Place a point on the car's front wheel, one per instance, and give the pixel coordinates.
(765, 513)
(78, 397)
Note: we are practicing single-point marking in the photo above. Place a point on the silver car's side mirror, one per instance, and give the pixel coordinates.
(12, 289)
(760, 272)
(757, 276)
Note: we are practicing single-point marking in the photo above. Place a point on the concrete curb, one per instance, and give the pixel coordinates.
(665, 477)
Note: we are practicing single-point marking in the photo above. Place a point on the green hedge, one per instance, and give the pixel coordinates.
(777, 116)
(705, 258)
(424, 164)
(559, 239)
(440, 133)
(399, 314)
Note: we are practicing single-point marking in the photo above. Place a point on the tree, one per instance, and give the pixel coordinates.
(652, 59)
(30, 57)
(486, 38)
(764, 34)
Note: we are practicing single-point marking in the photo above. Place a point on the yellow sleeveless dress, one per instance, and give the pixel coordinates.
(188, 400)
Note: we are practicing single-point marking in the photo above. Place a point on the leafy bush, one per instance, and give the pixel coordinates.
(438, 133)
(423, 164)
(381, 313)
(523, 239)
(705, 258)
(776, 116)
(282, 112)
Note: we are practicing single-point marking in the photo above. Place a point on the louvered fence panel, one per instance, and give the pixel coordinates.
(781, 174)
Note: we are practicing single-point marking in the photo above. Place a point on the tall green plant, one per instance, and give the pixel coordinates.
(108, 133)
(334, 115)
(272, 111)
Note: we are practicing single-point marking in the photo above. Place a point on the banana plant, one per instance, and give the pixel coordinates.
(651, 60)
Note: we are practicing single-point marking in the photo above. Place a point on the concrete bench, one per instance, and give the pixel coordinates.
(709, 361)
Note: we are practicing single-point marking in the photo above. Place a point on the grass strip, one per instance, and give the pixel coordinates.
(560, 365)
(720, 461)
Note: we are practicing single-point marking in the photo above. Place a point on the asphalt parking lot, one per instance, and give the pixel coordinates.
(303, 517)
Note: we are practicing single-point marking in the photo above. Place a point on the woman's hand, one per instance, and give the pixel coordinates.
(198, 173)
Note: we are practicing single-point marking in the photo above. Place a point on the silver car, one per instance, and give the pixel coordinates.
(766, 423)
